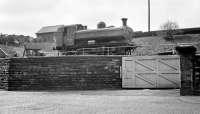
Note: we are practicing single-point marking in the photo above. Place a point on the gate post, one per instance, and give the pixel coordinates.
(187, 57)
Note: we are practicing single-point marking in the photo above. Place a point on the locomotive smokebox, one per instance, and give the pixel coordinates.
(124, 21)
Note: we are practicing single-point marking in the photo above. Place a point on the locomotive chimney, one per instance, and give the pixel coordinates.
(124, 21)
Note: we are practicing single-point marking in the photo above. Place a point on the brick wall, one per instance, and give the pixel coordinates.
(4, 73)
(65, 73)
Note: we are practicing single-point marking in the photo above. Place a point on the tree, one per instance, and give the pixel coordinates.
(14, 40)
(169, 28)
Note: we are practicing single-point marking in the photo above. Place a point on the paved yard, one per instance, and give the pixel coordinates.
(98, 102)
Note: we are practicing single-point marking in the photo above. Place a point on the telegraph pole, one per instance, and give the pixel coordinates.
(149, 16)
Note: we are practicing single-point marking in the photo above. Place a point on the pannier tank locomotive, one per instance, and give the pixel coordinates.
(77, 39)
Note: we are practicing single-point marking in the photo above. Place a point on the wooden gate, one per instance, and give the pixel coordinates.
(151, 72)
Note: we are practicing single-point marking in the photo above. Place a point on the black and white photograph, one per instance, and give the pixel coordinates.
(99, 56)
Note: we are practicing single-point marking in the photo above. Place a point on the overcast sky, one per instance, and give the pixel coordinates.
(28, 16)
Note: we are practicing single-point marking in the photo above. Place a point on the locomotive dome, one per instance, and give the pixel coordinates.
(101, 24)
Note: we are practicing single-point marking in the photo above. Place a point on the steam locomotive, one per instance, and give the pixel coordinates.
(77, 39)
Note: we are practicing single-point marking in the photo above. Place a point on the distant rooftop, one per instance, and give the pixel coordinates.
(48, 29)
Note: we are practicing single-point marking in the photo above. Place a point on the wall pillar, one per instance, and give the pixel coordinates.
(4, 73)
(187, 57)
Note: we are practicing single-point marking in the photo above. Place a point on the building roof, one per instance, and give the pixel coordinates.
(49, 29)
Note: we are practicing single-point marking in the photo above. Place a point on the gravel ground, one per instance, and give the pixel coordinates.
(98, 102)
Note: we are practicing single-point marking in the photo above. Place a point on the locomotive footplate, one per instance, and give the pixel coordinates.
(101, 49)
